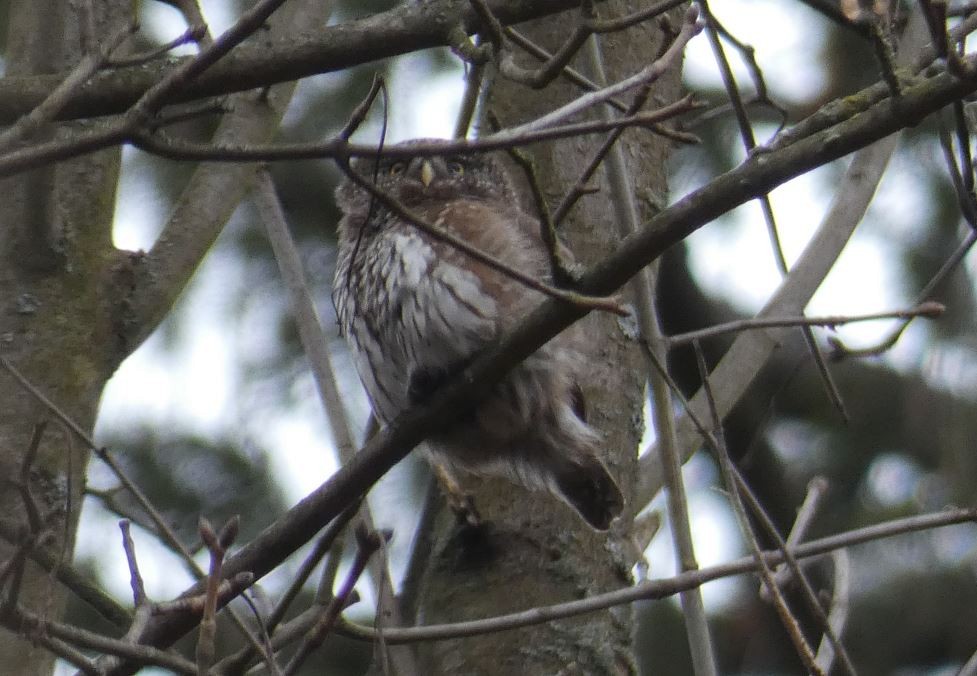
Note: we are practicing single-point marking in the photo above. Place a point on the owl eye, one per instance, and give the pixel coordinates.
(397, 168)
(456, 168)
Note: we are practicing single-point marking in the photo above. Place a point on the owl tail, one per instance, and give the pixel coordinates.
(587, 486)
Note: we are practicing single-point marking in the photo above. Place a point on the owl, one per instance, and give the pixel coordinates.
(415, 311)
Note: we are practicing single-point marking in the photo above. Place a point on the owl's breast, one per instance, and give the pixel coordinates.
(435, 309)
(409, 309)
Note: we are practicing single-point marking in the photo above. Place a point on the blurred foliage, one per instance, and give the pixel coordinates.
(188, 476)
(903, 616)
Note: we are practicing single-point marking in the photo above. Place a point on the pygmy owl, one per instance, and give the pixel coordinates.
(415, 311)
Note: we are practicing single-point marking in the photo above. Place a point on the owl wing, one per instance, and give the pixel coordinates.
(531, 228)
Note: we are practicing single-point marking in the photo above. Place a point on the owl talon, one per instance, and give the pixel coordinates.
(465, 511)
(459, 500)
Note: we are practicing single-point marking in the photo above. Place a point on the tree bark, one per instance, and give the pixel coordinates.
(74, 306)
(535, 550)
(55, 234)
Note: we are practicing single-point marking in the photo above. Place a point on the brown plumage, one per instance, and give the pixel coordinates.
(415, 310)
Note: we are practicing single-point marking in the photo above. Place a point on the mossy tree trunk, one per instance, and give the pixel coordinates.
(56, 261)
(537, 551)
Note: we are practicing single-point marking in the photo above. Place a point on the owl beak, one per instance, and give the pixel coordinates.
(427, 173)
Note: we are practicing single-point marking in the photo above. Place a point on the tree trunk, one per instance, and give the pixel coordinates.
(536, 551)
(55, 256)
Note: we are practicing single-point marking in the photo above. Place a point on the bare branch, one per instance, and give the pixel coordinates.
(217, 544)
(743, 361)
(927, 309)
(838, 616)
(236, 662)
(766, 208)
(80, 585)
(328, 49)
(367, 544)
(816, 489)
(163, 529)
(717, 439)
(62, 95)
(192, 34)
(841, 351)
(141, 654)
(661, 588)
(135, 578)
(339, 148)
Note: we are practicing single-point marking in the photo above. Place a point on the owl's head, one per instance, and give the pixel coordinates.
(415, 180)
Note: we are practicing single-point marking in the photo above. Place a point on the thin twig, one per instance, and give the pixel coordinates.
(690, 28)
(816, 489)
(559, 265)
(840, 604)
(570, 74)
(661, 588)
(135, 578)
(808, 593)
(191, 34)
(55, 102)
(842, 351)
(748, 57)
(367, 544)
(164, 530)
(962, 174)
(78, 584)
(756, 507)
(470, 100)
(579, 187)
(33, 511)
(83, 638)
(928, 309)
(217, 547)
(728, 472)
(838, 111)
(766, 208)
(639, 16)
(339, 148)
(556, 64)
(194, 604)
(744, 360)
(237, 662)
(357, 117)
(157, 96)
(268, 650)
